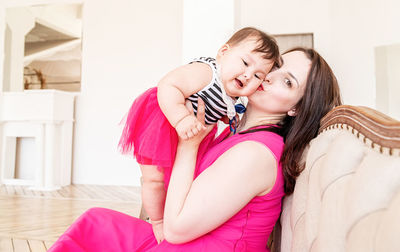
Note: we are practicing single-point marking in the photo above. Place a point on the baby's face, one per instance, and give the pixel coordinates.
(242, 70)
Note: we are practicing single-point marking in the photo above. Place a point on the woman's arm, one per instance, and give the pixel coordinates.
(179, 84)
(194, 208)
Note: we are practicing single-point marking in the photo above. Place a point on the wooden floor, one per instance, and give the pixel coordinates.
(33, 220)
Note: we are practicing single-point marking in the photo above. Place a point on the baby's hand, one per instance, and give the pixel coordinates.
(189, 127)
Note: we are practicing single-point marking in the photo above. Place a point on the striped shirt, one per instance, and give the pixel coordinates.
(215, 106)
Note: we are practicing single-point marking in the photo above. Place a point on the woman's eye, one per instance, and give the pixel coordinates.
(288, 82)
(258, 77)
(244, 62)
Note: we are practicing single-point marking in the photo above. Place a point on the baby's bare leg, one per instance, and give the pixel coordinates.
(153, 197)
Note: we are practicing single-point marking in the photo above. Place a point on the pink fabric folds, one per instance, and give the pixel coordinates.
(100, 229)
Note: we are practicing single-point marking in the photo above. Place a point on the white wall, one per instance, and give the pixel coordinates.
(358, 27)
(345, 33)
(207, 25)
(285, 17)
(2, 43)
(387, 68)
(128, 45)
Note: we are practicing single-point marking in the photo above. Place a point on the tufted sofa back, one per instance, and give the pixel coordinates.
(348, 196)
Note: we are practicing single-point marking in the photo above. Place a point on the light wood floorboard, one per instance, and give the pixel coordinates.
(33, 220)
(37, 246)
(6, 244)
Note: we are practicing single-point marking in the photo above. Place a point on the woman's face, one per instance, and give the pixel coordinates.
(283, 87)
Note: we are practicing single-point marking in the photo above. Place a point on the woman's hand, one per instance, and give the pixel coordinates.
(196, 140)
(158, 230)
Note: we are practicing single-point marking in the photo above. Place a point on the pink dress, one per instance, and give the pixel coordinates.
(101, 229)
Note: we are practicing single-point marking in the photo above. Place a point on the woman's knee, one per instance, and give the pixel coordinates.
(96, 213)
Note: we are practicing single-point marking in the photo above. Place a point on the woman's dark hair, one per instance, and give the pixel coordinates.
(320, 96)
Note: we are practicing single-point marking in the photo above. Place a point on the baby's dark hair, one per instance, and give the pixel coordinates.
(266, 44)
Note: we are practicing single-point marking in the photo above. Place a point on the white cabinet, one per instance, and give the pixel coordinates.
(47, 116)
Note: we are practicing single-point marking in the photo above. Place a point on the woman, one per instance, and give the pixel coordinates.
(235, 198)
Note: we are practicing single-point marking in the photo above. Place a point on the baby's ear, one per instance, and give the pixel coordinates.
(223, 49)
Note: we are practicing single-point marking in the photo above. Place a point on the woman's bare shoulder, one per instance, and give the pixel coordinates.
(252, 161)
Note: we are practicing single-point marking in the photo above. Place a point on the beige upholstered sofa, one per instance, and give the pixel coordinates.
(348, 196)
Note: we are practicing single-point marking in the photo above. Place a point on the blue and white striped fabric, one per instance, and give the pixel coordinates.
(215, 107)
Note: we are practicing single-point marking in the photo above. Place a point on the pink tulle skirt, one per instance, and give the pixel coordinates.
(150, 137)
(148, 134)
